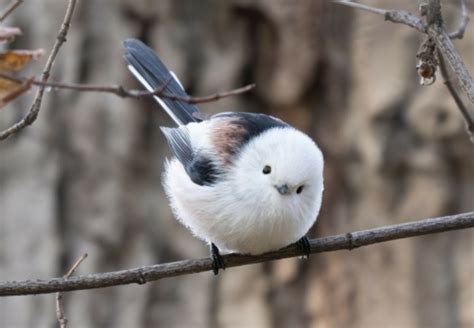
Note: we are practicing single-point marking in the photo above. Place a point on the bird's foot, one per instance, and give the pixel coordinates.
(218, 261)
(305, 246)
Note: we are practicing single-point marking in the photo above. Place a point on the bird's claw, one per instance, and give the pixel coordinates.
(218, 261)
(305, 246)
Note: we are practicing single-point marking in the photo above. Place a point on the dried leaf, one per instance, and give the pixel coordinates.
(8, 34)
(6, 85)
(13, 90)
(15, 60)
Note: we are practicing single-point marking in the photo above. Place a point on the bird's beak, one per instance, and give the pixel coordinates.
(283, 189)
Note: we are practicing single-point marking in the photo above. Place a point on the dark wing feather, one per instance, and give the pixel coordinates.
(200, 169)
(203, 171)
(180, 144)
(147, 64)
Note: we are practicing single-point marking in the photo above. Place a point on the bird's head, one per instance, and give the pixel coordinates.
(280, 169)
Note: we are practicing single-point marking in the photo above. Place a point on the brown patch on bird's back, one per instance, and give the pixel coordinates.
(227, 136)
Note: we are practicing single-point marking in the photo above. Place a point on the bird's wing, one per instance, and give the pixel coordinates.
(201, 169)
(180, 144)
(153, 74)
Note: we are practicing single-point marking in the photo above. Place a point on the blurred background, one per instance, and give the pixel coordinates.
(86, 176)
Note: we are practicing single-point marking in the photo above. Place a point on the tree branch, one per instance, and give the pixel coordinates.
(113, 89)
(434, 28)
(62, 320)
(446, 47)
(457, 99)
(436, 32)
(35, 106)
(459, 33)
(214, 97)
(394, 16)
(13, 5)
(146, 274)
(120, 91)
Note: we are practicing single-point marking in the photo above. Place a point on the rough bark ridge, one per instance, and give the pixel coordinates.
(86, 176)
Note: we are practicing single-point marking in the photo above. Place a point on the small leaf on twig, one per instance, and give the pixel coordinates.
(13, 90)
(13, 61)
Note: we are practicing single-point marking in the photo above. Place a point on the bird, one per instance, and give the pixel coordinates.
(242, 182)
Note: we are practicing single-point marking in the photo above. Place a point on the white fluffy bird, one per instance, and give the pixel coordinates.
(243, 182)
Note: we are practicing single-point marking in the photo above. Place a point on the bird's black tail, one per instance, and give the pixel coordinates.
(153, 74)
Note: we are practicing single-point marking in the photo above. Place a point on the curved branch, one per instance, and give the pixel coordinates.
(457, 99)
(36, 105)
(436, 32)
(62, 320)
(159, 271)
(446, 47)
(11, 8)
(122, 92)
(394, 16)
(459, 33)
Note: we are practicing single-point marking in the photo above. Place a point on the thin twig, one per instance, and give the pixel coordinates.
(214, 97)
(446, 46)
(394, 16)
(361, 6)
(159, 271)
(35, 106)
(13, 5)
(59, 308)
(459, 33)
(457, 99)
(120, 91)
(433, 27)
(439, 36)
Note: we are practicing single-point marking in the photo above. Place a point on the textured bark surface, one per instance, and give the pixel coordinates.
(86, 177)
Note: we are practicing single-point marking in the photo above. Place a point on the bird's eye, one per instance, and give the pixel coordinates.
(300, 189)
(267, 169)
